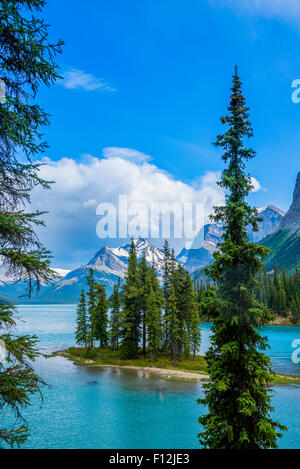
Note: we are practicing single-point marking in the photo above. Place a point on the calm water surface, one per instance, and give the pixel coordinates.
(110, 408)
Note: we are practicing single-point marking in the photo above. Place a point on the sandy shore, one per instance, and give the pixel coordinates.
(146, 369)
(156, 371)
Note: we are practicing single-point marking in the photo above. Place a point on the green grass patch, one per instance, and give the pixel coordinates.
(286, 379)
(97, 356)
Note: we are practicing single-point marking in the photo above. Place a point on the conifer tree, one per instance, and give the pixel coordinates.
(195, 333)
(185, 345)
(131, 308)
(100, 316)
(91, 303)
(282, 309)
(153, 320)
(166, 289)
(27, 60)
(116, 318)
(81, 321)
(174, 327)
(144, 290)
(237, 395)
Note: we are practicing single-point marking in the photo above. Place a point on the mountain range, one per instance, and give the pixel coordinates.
(285, 241)
(201, 251)
(109, 265)
(279, 231)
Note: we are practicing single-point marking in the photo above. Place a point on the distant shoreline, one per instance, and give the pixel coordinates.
(279, 321)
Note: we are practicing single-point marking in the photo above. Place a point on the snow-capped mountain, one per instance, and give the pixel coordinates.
(115, 260)
(109, 265)
(14, 288)
(201, 251)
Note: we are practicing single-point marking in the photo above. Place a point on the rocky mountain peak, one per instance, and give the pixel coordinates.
(291, 220)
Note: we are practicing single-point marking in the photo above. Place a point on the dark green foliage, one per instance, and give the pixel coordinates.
(131, 308)
(91, 303)
(100, 317)
(195, 332)
(26, 62)
(279, 293)
(144, 291)
(166, 290)
(18, 381)
(175, 336)
(81, 321)
(116, 318)
(136, 315)
(153, 321)
(237, 396)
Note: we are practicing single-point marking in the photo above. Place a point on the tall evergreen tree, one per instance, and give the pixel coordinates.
(27, 60)
(237, 396)
(144, 290)
(91, 304)
(116, 318)
(81, 321)
(174, 327)
(131, 307)
(153, 320)
(100, 316)
(166, 289)
(195, 331)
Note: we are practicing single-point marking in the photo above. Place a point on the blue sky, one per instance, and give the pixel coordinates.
(154, 76)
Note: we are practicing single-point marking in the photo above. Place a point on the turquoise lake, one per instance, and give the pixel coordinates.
(111, 408)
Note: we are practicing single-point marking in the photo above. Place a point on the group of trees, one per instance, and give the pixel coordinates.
(92, 315)
(145, 316)
(278, 292)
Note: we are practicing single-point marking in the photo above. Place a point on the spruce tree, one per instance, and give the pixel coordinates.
(91, 303)
(174, 327)
(144, 290)
(195, 331)
(81, 321)
(100, 316)
(237, 396)
(153, 320)
(27, 60)
(131, 308)
(116, 317)
(166, 290)
(185, 345)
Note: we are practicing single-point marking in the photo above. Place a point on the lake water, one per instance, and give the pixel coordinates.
(111, 408)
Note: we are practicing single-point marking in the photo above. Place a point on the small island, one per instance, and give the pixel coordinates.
(190, 370)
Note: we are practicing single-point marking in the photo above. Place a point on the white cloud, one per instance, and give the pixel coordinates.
(256, 185)
(78, 79)
(288, 9)
(90, 203)
(126, 154)
(71, 228)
